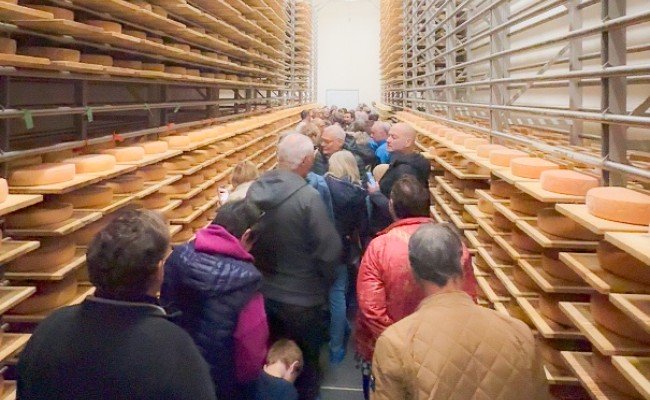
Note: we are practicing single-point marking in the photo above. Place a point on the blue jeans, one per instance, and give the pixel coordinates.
(339, 325)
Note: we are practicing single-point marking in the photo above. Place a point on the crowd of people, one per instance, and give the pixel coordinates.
(335, 243)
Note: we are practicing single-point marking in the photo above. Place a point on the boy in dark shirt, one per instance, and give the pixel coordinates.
(283, 365)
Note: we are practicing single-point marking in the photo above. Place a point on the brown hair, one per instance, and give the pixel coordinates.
(244, 172)
(286, 351)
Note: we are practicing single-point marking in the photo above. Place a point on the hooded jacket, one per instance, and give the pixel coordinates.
(215, 286)
(350, 210)
(405, 164)
(297, 245)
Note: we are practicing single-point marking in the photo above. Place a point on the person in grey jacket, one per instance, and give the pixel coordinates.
(297, 248)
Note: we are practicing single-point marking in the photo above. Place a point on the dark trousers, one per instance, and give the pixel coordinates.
(307, 326)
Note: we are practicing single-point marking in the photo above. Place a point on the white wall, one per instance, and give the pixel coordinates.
(348, 47)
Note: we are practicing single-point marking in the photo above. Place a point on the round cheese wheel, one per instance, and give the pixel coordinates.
(142, 4)
(610, 375)
(58, 12)
(608, 316)
(159, 11)
(182, 211)
(175, 70)
(98, 59)
(91, 196)
(501, 223)
(178, 163)
(199, 223)
(220, 76)
(467, 217)
(482, 264)
(154, 201)
(503, 157)
(184, 235)
(156, 40)
(209, 75)
(524, 242)
(92, 163)
(619, 204)
(126, 184)
(549, 307)
(567, 182)
(530, 167)
(4, 190)
(553, 266)
(158, 67)
(108, 26)
(550, 350)
(497, 286)
(49, 295)
(46, 213)
(194, 71)
(52, 254)
(525, 204)
(485, 206)
(42, 174)
(210, 172)
(552, 222)
(134, 33)
(473, 142)
(53, 53)
(199, 156)
(522, 279)
(460, 139)
(516, 312)
(126, 154)
(500, 255)
(177, 142)
(7, 46)
(151, 173)
(154, 147)
(474, 168)
(501, 188)
(131, 64)
(618, 262)
(484, 150)
(197, 201)
(85, 235)
(178, 187)
(195, 179)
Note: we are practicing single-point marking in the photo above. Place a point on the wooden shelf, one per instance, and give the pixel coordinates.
(488, 227)
(153, 187)
(169, 207)
(119, 201)
(486, 195)
(153, 158)
(453, 215)
(516, 254)
(553, 242)
(9, 390)
(65, 270)
(78, 220)
(550, 284)
(607, 342)
(588, 268)
(436, 216)
(15, 202)
(635, 306)
(555, 376)
(599, 226)
(505, 275)
(12, 249)
(580, 364)
(474, 241)
(547, 328)
(10, 296)
(638, 245)
(11, 344)
(490, 294)
(82, 293)
(493, 263)
(174, 229)
(534, 189)
(197, 212)
(13, 12)
(636, 370)
(484, 162)
(458, 172)
(453, 192)
(474, 211)
(507, 175)
(512, 216)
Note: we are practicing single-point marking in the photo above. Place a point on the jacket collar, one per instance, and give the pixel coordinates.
(145, 308)
(406, 222)
(455, 298)
(215, 239)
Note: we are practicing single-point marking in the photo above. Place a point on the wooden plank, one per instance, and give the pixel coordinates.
(474, 211)
(486, 195)
(10, 296)
(435, 215)
(504, 241)
(556, 376)
(484, 162)
(580, 364)
(548, 241)
(486, 288)
(9, 390)
(459, 173)
(119, 201)
(153, 158)
(638, 245)
(454, 215)
(551, 284)
(485, 253)
(57, 275)
(505, 275)
(61, 27)
(489, 228)
(12, 343)
(453, 192)
(78, 220)
(169, 207)
(636, 370)
(474, 241)
(82, 293)
(511, 215)
(507, 175)
(599, 226)
(588, 268)
(547, 328)
(153, 187)
(635, 306)
(20, 61)
(197, 212)
(13, 12)
(534, 189)
(607, 342)
(12, 249)
(174, 229)
(15, 202)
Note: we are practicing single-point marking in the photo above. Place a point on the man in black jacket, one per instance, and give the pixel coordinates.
(296, 248)
(119, 344)
(334, 139)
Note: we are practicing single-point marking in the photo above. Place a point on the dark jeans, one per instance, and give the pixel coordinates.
(308, 327)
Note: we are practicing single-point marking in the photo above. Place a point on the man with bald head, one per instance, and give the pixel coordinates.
(335, 139)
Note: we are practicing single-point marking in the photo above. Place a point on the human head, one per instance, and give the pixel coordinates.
(408, 199)
(362, 138)
(337, 118)
(401, 138)
(332, 139)
(312, 131)
(380, 171)
(360, 116)
(237, 217)
(435, 252)
(373, 117)
(245, 171)
(126, 258)
(287, 353)
(305, 115)
(342, 164)
(348, 117)
(379, 131)
(320, 123)
(357, 126)
(296, 154)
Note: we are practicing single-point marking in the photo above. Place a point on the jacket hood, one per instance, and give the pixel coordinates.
(344, 191)
(215, 239)
(273, 188)
(415, 160)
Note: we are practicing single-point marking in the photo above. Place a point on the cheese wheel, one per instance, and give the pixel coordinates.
(158, 67)
(198, 135)
(159, 11)
(49, 295)
(154, 147)
(619, 204)
(4, 190)
(91, 196)
(43, 214)
(531, 167)
(175, 70)
(156, 40)
(142, 4)
(154, 201)
(108, 26)
(460, 139)
(184, 235)
(567, 182)
(473, 142)
(550, 350)
(501, 223)
(553, 266)
(194, 71)
(151, 173)
(92, 163)
(53, 53)
(484, 150)
(131, 64)
(524, 242)
(195, 179)
(42, 174)
(199, 156)
(607, 373)
(98, 59)
(182, 211)
(482, 264)
(618, 262)
(7, 46)
(126, 184)
(525, 204)
(476, 169)
(197, 201)
(58, 12)
(209, 75)
(85, 235)
(178, 187)
(232, 77)
(134, 33)
(485, 206)
(212, 191)
(497, 286)
(52, 254)
(553, 223)
(467, 217)
(549, 307)
(210, 172)
(180, 163)
(503, 157)
(501, 188)
(608, 316)
(500, 255)
(126, 154)
(522, 279)
(199, 223)
(220, 76)
(177, 142)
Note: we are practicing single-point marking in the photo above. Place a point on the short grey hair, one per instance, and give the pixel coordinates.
(435, 252)
(293, 149)
(384, 126)
(336, 131)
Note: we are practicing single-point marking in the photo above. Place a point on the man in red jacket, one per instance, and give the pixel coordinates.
(386, 288)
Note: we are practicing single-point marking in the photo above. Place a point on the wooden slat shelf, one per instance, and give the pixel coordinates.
(635, 306)
(153, 158)
(516, 254)
(484, 252)
(555, 376)
(153, 187)
(486, 195)
(507, 175)
(546, 328)
(607, 342)
(551, 284)
(534, 189)
(488, 227)
(459, 172)
(580, 364)
(474, 241)
(454, 215)
(512, 216)
(436, 215)
(174, 229)
(65, 270)
(12, 249)
(599, 226)
(9, 390)
(505, 275)
(454, 192)
(588, 268)
(78, 220)
(11, 344)
(13, 12)
(638, 245)
(10, 296)
(82, 293)
(474, 211)
(553, 242)
(169, 207)
(119, 201)
(491, 295)
(484, 162)
(197, 212)
(15, 202)
(636, 370)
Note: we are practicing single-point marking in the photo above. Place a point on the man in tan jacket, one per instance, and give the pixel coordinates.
(451, 348)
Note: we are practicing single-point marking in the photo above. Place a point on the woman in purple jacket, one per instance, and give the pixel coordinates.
(213, 285)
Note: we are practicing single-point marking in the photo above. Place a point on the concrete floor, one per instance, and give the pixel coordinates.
(342, 382)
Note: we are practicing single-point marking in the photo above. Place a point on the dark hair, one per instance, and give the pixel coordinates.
(236, 217)
(357, 126)
(304, 114)
(435, 252)
(123, 257)
(373, 117)
(410, 198)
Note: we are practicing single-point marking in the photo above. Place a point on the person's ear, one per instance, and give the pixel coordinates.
(247, 240)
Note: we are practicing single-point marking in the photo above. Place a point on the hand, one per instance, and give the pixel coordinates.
(372, 188)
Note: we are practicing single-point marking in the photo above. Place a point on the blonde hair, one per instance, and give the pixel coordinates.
(312, 131)
(342, 164)
(379, 171)
(285, 351)
(244, 172)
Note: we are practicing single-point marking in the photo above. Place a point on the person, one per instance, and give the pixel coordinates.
(283, 365)
(386, 288)
(117, 344)
(242, 177)
(312, 131)
(297, 249)
(305, 118)
(214, 285)
(351, 221)
(333, 140)
(379, 134)
(452, 348)
(357, 126)
(348, 119)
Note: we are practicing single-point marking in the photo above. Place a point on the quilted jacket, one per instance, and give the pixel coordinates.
(386, 288)
(452, 349)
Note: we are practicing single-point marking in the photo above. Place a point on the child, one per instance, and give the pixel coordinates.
(283, 365)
